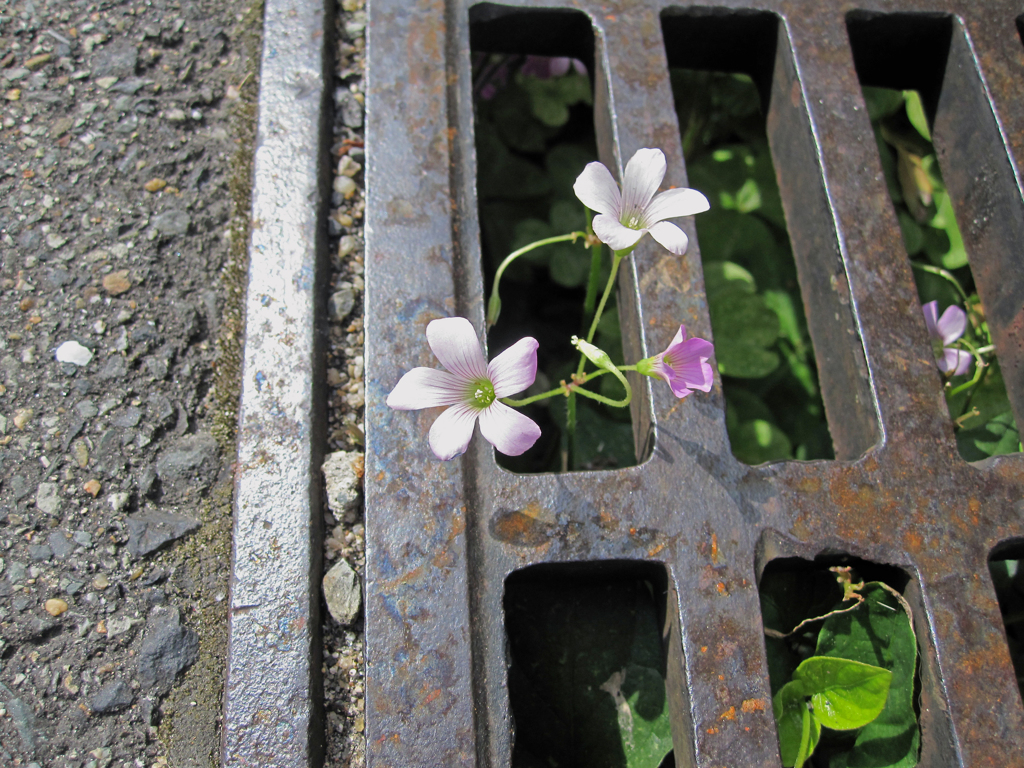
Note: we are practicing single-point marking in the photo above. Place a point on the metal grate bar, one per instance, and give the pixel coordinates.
(442, 538)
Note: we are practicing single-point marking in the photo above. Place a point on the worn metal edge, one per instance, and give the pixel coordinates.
(273, 704)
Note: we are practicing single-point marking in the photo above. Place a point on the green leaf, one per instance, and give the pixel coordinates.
(564, 163)
(994, 438)
(642, 710)
(913, 237)
(881, 102)
(550, 98)
(879, 633)
(755, 442)
(845, 694)
(915, 111)
(789, 706)
(602, 441)
(744, 326)
(498, 166)
(956, 256)
(511, 117)
(747, 198)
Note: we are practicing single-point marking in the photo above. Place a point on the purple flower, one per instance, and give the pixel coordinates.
(624, 217)
(684, 365)
(944, 331)
(545, 67)
(471, 388)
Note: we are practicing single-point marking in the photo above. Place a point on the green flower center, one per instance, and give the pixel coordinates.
(632, 220)
(481, 393)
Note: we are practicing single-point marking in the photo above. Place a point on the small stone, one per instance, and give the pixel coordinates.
(343, 475)
(149, 531)
(117, 283)
(188, 466)
(175, 115)
(171, 223)
(101, 581)
(55, 240)
(55, 606)
(87, 409)
(92, 487)
(48, 498)
(81, 453)
(167, 649)
(347, 246)
(13, 94)
(344, 186)
(22, 417)
(342, 302)
(59, 544)
(343, 593)
(74, 353)
(40, 553)
(118, 501)
(24, 722)
(105, 82)
(36, 62)
(112, 697)
(154, 185)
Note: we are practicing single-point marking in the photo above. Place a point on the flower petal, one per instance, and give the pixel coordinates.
(452, 430)
(671, 237)
(689, 361)
(508, 430)
(955, 362)
(617, 237)
(931, 318)
(675, 202)
(425, 388)
(455, 343)
(644, 172)
(514, 369)
(597, 190)
(952, 324)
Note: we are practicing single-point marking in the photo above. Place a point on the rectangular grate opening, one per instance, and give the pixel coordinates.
(1006, 566)
(586, 647)
(534, 133)
(722, 69)
(902, 86)
(806, 617)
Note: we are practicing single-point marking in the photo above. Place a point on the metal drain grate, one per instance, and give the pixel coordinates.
(443, 537)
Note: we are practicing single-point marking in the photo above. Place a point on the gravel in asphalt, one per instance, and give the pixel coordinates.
(124, 159)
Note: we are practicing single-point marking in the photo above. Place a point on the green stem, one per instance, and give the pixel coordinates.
(560, 390)
(941, 273)
(607, 400)
(494, 305)
(980, 368)
(595, 274)
(617, 258)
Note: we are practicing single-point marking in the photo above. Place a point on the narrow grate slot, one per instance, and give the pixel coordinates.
(819, 616)
(1006, 567)
(586, 651)
(534, 134)
(902, 88)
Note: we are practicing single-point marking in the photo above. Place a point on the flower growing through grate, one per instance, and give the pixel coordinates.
(471, 388)
(624, 217)
(944, 332)
(684, 365)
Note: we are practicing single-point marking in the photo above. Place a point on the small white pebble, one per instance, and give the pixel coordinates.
(74, 353)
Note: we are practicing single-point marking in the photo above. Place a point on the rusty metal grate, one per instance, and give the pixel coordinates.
(442, 538)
